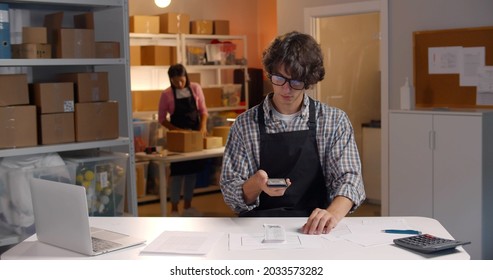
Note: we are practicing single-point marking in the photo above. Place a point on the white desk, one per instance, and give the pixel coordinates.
(164, 161)
(150, 228)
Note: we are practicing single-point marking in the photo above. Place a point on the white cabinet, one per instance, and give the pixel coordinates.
(440, 166)
(111, 24)
(156, 77)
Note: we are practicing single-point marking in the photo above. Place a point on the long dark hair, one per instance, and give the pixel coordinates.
(178, 70)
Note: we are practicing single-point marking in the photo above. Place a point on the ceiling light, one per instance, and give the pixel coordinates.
(162, 3)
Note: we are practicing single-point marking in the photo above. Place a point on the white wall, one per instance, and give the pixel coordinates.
(290, 12)
(405, 16)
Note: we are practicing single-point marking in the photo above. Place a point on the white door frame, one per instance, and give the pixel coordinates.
(381, 6)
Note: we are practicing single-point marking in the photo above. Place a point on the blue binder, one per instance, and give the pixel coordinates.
(5, 51)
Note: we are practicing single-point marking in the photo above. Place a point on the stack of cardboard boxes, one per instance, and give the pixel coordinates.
(79, 41)
(69, 107)
(168, 23)
(74, 107)
(55, 41)
(55, 104)
(184, 141)
(17, 117)
(34, 44)
(96, 117)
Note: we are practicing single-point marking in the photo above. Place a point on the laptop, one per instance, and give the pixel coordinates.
(61, 219)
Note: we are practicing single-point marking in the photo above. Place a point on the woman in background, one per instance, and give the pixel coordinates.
(185, 104)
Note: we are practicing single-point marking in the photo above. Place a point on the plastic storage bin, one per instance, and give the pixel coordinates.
(231, 94)
(141, 135)
(141, 168)
(103, 174)
(16, 211)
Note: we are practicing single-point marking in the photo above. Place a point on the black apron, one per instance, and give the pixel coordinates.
(292, 155)
(186, 116)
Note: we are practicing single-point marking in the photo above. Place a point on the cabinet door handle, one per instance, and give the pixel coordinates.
(431, 139)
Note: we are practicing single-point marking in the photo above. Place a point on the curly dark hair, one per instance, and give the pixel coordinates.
(300, 56)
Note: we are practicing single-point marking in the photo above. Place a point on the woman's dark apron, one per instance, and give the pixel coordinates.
(186, 116)
(292, 155)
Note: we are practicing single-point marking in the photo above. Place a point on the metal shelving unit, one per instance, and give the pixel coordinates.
(111, 24)
(181, 41)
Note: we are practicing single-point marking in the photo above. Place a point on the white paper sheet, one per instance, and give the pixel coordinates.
(484, 94)
(337, 233)
(444, 60)
(245, 241)
(369, 232)
(472, 60)
(183, 242)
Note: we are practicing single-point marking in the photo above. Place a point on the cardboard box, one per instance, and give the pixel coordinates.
(145, 100)
(173, 56)
(89, 87)
(71, 42)
(221, 131)
(53, 22)
(211, 142)
(144, 24)
(96, 121)
(14, 90)
(194, 77)
(54, 97)
(75, 43)
(56, 128)
(84, 21)
(135, 55)
(184, 141)
(220, 27)
(201, 27)
(174, 23)
(155, 55)
(18, 126)
(29, 50)
(34, 35)
(107, 49)
(213, 96)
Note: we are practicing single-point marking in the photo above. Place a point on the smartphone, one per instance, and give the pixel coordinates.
(277, 183)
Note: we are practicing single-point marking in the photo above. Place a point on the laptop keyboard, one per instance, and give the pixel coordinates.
(99, 245)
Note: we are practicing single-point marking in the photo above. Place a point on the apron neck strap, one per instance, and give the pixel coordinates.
(312, 124)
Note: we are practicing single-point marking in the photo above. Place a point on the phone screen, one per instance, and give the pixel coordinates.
(276, 182)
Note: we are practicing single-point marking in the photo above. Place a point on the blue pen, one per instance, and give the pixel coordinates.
(402, 231)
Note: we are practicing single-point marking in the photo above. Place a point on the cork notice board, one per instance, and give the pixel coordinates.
(444, 90)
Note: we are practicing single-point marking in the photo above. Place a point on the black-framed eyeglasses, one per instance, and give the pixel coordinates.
(279, 80)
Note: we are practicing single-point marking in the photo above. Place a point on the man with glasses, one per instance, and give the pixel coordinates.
(293, 137)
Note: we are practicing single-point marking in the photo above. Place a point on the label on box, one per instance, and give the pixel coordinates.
(68, 106)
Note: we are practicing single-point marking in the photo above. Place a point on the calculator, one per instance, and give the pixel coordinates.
(427, 243)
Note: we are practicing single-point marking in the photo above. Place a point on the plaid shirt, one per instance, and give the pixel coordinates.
(339, 156)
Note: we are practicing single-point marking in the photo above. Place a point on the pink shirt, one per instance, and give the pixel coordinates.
(167, 101)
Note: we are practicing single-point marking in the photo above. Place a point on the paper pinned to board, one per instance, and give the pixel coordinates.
(183, 242)
(484, 93)
(473, 59)
(444, 60)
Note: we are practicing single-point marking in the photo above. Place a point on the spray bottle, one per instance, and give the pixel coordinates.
(407, 96)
